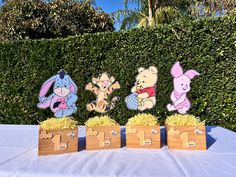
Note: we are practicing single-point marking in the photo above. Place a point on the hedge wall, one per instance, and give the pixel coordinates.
(208, 45)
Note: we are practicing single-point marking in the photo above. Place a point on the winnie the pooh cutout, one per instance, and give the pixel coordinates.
(144, 91)
(62, 101)
(102, 87)
(180, 101)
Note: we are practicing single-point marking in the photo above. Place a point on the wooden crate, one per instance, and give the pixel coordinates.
(186, 137)
(143, 137)
(106, 137)
(57, 142)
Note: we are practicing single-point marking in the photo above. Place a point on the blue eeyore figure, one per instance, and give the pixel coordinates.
(62, 101)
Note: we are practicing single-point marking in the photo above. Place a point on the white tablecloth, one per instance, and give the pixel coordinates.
(18, 157)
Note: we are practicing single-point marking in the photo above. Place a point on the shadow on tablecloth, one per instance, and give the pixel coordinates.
(210, 139)
(82, 143)
(123, 137)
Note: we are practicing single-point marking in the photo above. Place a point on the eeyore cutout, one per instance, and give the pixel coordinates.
(62, 100)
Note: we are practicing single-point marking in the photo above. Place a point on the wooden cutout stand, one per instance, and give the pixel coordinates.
(57, 141)
(147, 137)
(186, 137)
(107, 137)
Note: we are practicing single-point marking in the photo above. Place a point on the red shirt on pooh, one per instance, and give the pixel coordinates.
(150, 90)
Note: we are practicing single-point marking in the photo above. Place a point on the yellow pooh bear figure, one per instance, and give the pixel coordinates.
(144, 91)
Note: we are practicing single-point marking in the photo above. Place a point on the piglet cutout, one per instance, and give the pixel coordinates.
(181, 82)
(62, 101)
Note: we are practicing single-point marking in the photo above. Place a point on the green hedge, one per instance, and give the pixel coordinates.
(207, 45)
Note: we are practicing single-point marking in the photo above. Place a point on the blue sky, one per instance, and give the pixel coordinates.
(110, 6)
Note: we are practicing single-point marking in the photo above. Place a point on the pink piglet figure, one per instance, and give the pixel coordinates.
(181, 82)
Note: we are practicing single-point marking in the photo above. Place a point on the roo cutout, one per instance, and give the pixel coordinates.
(62, 101)
(181, 82)
(102, 87)
(142, 140)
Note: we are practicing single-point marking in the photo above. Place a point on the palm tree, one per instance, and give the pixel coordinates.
(209, 8)
(151, 12)
(155, 12)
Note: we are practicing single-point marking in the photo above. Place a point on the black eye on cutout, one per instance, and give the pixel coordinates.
(65, 85)
(58, 85)
(182, 84)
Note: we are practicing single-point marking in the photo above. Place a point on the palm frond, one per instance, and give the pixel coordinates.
(143, 23)
(90, 2)
(129, 22)
(128, 18)
(166, 14)
(139, 3)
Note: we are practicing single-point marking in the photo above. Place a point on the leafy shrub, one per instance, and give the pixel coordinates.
(207, 45)
(34, 19)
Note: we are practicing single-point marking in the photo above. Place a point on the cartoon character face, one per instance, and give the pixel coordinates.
(103, 81)
(182, 84)
(146, 77)
(182, 80)
(62, 85)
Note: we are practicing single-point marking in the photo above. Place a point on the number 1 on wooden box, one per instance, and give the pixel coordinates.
(57, 143)
(102, 141)
(186, 142)
(142, 140)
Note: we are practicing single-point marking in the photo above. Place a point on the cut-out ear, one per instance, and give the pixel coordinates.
(153, 69)
(104, 73)
(73, 87)
(112, 79)
(141, 69)
(191, 73)
(176, 70)
(46, 86)
(95, 80)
